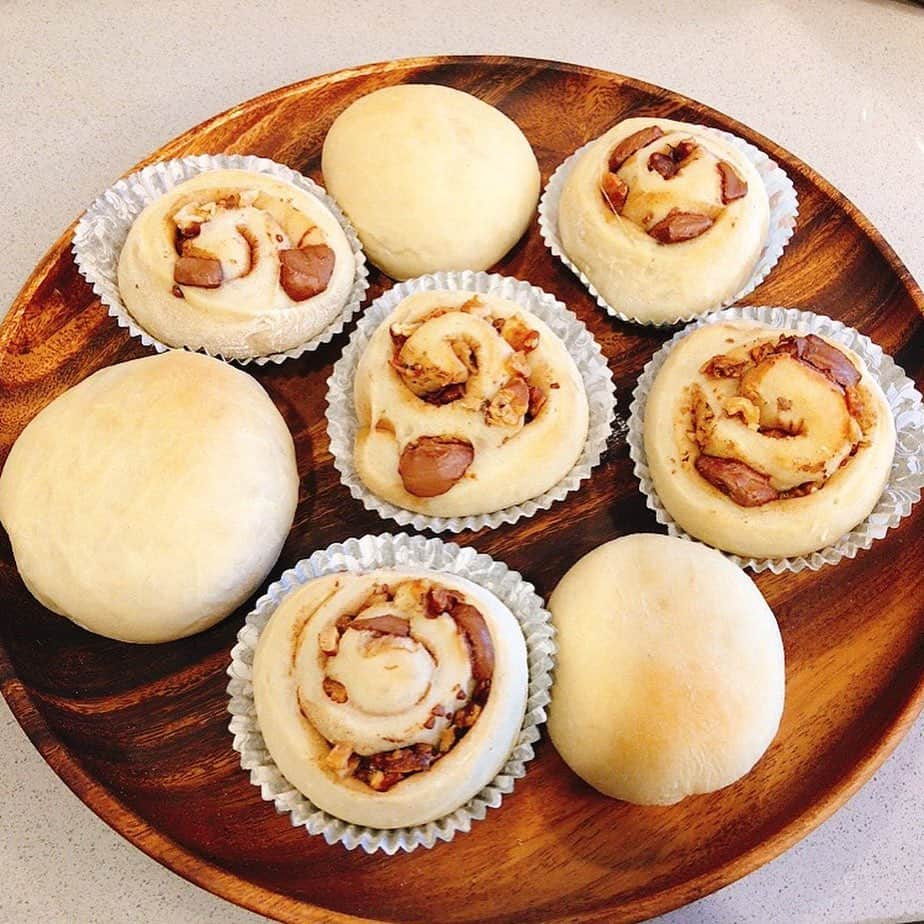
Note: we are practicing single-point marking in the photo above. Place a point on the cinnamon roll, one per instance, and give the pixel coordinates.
(466, 404)
(766, 442)
(390, 698)
(665, 219)
(237, 263)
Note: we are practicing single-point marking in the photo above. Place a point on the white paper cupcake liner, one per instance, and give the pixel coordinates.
(366, 554)
(102, 229)
(342, 422)
(784, 207)
(906, 478)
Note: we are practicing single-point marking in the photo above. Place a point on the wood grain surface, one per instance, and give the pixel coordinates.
(140, 733)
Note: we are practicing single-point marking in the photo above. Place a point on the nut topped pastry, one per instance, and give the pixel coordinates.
(467, 404)
(235, 262)
(766, 442)
(665, 219)
(390, 698)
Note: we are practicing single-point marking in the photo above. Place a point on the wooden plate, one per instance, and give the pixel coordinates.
(140, 733)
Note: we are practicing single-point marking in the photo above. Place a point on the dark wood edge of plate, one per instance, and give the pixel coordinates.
(264, 901)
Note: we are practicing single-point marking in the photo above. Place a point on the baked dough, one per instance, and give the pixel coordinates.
(277, 267)
(766, 442)
(680, 182)
(149, 501)
(670, 676)
(432, 179)
(390, 698)
(466, 404)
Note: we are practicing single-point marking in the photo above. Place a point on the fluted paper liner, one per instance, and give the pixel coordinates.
(906, 478)
(342, 422)
(366, 554)
(102, 229)
(784, 207)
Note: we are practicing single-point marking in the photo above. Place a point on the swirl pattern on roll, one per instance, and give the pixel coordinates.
(766, 439)
(466, 404)
(235, 262)
(366, 685)
(664, 218)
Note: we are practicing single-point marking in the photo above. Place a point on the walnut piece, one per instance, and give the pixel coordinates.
(509, 406)
(746, 409)
(519, 334)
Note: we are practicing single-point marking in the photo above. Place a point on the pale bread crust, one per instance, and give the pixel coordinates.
(243, 318)
(507, 469)
(432, 179)
(670, 675)
(150, 500)
(299, 750)
(782, 528)
(629, 268)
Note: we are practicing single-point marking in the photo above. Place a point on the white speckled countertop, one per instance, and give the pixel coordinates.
(89, 89)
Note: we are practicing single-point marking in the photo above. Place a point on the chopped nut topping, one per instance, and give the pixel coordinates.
(335, 690)
(446, 395)
(537, 400)
(724, 367)
(342, 760)
(519, 335)
(746, 409)
(518, 365)
(447, 739)
(508, 407)
(329, 640)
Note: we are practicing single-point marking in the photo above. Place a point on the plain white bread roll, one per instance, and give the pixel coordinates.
(147, 502)
(431, 178)
(670, 676)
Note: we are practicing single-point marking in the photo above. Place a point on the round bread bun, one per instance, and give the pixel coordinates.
(286, 266)
(148, 501)
(332, 697)
(432, 179)
(621, 246)
(500, 360)
(772, 458)
(670, 676)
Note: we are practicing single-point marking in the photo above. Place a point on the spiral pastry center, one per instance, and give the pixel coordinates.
(382, 675)
(232, 235)
(672, 187)
(778, 419)
(466, 360)
(395, 681)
